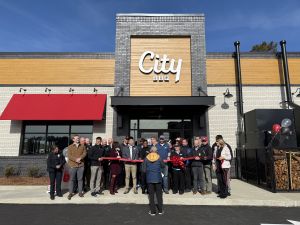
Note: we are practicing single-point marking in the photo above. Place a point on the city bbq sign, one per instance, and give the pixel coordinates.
(160, 66)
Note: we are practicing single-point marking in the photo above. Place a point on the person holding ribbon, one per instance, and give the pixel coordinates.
(222, 165)
(130, 153)
(197, 168)
(178, 167)
(207, 162)
(115, 167)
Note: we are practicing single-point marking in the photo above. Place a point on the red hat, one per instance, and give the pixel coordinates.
(204, 138)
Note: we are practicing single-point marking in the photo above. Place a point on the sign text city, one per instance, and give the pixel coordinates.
(160, 66)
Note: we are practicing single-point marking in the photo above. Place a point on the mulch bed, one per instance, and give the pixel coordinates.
(16, 180)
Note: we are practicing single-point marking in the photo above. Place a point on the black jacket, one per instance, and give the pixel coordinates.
(54, 160)
(174, 154)
(206, 152)
(143, 152)
(197, 152)
(106, 149)
(94, 154)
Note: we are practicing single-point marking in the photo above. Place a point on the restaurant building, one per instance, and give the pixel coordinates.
(159, 81)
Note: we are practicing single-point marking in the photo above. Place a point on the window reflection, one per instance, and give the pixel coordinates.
(34, 144)
(40, 138)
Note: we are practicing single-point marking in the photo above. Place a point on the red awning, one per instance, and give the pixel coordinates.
(55, 107)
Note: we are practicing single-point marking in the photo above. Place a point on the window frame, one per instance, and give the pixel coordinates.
(47, 123)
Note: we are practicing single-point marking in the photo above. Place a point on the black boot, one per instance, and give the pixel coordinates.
(112, 185)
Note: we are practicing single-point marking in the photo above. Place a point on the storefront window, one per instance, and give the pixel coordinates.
(40, 138)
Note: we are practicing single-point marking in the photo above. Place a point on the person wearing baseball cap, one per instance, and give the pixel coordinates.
(163, 150)
(207, 154)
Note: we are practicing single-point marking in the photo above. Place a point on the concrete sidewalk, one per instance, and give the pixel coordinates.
(243, 194)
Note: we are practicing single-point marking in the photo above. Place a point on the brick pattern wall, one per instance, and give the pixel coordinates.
(22, 164)
(224, 121)
(160, 25)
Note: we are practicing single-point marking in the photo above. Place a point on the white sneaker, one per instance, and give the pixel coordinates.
(151, 214)
(161, 213)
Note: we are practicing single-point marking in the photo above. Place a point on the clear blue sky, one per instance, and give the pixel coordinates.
(89, 25)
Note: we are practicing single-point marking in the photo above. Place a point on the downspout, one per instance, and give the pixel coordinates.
(240, 114)
(289, 99)
(239, 78)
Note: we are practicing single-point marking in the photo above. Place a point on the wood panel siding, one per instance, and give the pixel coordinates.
(175, 48)
(57, 71)
(254, 71)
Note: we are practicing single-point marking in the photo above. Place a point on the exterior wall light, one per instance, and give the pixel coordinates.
(22, 89)
(227, 94)
(297, 95)
(48, 90)
(95, 91)
(200, 90)
(120, 91)
(71, 90)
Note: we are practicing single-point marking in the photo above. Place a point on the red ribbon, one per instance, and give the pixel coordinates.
(140, 160)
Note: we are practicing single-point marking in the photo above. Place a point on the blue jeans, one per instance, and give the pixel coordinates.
(165, 178)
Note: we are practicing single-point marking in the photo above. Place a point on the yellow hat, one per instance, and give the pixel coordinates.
(152, 157)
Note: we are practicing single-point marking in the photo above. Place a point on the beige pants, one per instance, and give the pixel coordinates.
(96, 174)
(130, 168)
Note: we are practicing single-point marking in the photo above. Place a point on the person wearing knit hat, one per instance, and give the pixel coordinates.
(153, 166)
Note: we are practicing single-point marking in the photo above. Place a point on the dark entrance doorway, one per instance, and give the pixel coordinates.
(170, 128)
(145, 116)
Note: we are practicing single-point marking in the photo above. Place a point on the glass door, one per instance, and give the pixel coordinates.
(170, 128)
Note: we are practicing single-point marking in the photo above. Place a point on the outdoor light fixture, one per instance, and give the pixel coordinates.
(95, 90)
(227, 94)
(71, 90)
(297, 95)
(120, 91)
(48, 90)
(199, 89)
(23, 89)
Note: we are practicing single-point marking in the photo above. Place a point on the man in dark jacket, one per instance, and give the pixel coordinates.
(163, 150)
(178, 168)
(55, 163)
(87, 167)
(153, 166)
(187, 150)
(207, 163)
(130, 152)
(143, 152)
(95, 155)
(197, 168)
(106, 172)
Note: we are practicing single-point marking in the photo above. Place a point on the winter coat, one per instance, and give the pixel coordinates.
(197, 152)
(54, 160)
(153, 166)
(208, 153)
(75, 152)
(163, 150)
(94, 154)
(224, 152)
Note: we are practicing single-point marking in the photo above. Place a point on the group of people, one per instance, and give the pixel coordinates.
(154, 165)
